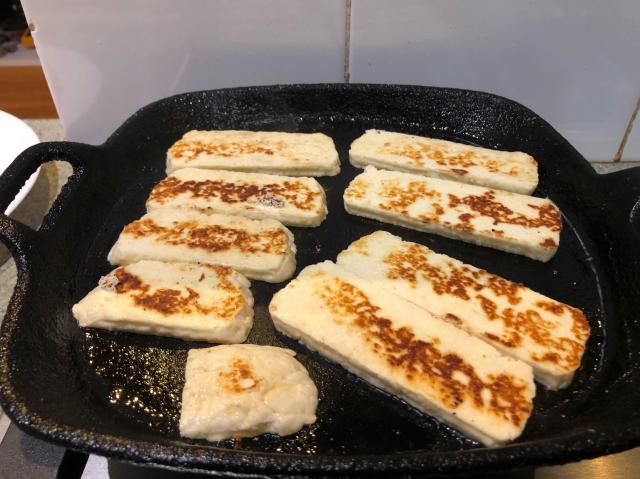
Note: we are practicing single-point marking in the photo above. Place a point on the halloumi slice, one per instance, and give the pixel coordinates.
(259, 249)
(292, 201)
(504, 170)
(548, 335)
(401, 348)
(244, 390)
(497, 219)
(182, 300)
(293, 154)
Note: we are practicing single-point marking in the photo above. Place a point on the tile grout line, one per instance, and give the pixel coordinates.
(618, 156)
(347, 42)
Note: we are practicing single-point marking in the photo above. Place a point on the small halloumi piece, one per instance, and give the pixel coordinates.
(291, 200)
(401, 348)
(182, 300)
(259, 249)
(497, 219)
(504, 170)
(244, 390)
(548, 335)
(293, 154)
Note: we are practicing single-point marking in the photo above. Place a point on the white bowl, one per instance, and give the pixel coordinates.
(15, 137)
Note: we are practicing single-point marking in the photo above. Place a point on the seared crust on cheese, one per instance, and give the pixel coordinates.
(504, 170)
(259, 249)
(401, 348)
(502, 220)
(294, 154)
(245, 390)
(548, 335)
(187, 301)
(292, 201)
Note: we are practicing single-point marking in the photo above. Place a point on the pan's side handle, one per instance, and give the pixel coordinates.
(19, 238)
(624, 185)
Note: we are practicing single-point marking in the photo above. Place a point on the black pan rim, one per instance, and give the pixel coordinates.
(589, 443)
(381, 87)
(592, 444)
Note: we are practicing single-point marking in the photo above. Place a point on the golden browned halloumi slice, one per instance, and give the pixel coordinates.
(401, 348)
(183, 300)
(290, 200)
(244, 390)
(259, 249)
(504, 170)
(548, 335)
(293, 154)
(502, 220)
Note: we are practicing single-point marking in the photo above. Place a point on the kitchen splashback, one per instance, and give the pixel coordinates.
(105, 59)
(572, 61)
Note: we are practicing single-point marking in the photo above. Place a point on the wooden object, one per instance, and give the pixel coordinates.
(24, 92)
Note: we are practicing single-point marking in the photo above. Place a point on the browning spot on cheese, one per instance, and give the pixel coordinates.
(453, 380)
(211, 237)
(401, 196)
(357, 188)
(502, 287)
(238, 378)
(361, 246)
(411, 263)
(580, 326)
(459, 171)
(493, 166)
(128, 282)
(465, 223)
(272, 194)
(418, 152)
(549, 357)
(489, 307)
(512, 341)
(168, 301)
(223, 272)
(485, 204)
(548, 243)
(452, 318)
(565, 352)
(189, 150)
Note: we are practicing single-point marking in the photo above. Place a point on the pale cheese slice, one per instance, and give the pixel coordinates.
(244, 390)
(401, 348)
(504, 170)
(548, 335)
(291, 200)
(497, 219)
(259, 249)
(182, 300)
(293, 154)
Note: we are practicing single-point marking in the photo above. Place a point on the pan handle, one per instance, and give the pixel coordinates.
(20, 239)
(625, 186)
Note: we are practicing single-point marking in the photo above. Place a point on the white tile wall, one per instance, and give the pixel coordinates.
(104, 60)
(632, 149)
(574, 62)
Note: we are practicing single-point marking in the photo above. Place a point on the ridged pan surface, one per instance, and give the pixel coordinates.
(118, 394)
